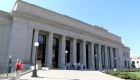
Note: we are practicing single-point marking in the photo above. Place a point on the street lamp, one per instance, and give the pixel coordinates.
(115, 62)
(34, 74)
(9, 67)
(128, 62)
(66, 58)
(138, 63)
(95, 55)
(95, 62)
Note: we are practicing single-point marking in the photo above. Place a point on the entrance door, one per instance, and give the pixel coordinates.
(41, 49)
(87, 57)
(78, 52)
(95, 58)
(68, 49)
(55, 52)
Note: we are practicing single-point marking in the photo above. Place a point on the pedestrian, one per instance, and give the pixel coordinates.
(103, 67)
(91, 67)
(81, 67)
(78, 67)
(74, 65)
(69, 66)
(18, 66)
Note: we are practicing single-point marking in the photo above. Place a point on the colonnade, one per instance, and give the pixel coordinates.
(99, 54)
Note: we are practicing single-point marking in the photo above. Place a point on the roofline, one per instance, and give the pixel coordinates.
(97, 27)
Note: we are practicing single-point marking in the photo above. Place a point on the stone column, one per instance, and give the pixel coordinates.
(46, 50)
(92, 55)
(74, 56)
(49, 53)
(99, 56)
(63, 48)
(106, 58)
(34, 48)
(112, 58)
(116, 53)
(103, 58)
(129, 59)
(84, 52)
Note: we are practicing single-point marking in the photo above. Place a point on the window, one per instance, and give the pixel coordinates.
(124, 54)
(127, 54)
(138, 57)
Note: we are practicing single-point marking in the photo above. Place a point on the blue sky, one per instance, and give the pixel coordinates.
(120, 17)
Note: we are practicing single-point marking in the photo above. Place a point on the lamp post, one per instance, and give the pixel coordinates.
(138, 63)
(115, 62)
(128, 63)
(9, 67)
(34, 74)
(66, 58)
(95, 62)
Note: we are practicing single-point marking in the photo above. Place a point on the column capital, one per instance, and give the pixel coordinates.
(74, 38)
(99, 44)
(92, 43)
(83, 40)
(105, 46)
(50, 33)
(63, 36)
(35, 29)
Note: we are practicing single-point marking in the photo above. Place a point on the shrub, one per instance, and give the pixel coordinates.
(124, 75)
(133, 77)
(138, 78)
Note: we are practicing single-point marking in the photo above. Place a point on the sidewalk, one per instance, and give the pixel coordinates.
(67, 75)
(11, 76)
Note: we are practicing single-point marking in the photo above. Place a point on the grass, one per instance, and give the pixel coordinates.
(24, 71)
(136, 73)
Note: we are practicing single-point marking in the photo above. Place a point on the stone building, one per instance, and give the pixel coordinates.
(56, 33)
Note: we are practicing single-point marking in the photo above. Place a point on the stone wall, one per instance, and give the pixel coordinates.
(5, 29)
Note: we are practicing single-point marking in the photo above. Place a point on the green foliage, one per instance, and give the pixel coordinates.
(124, 73)
(136, 73)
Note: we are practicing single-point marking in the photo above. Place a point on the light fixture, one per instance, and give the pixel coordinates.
(36, 44)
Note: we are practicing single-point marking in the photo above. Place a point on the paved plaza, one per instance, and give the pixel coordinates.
(68, 75)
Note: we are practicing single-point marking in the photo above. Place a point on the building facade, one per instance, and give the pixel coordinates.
(56, 33)
(135, 61)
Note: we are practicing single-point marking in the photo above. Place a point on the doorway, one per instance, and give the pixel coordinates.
(68, 49)
(41, 48)
(55, 52)
(78, 52)
(87, 56)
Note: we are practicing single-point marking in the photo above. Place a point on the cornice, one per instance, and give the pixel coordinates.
(60, 25)
(94, 26)
(5, 15)
(125, 47)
